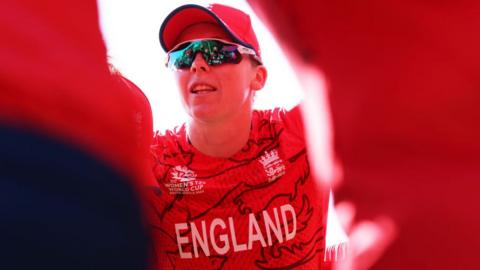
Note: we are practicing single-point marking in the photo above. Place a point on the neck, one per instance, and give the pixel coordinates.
(220, 139)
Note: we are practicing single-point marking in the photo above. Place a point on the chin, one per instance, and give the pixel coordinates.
(203, 115)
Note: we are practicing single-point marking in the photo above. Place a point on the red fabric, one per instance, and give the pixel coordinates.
(267, 179)
(236, 22)
(404, 86)
(143, 120)
(55, 80)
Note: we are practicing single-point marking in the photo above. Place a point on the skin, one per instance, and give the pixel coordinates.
(221, 113)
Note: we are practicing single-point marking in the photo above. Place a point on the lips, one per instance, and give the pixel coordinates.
(202, 88)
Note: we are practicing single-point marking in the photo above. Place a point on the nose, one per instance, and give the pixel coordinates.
(199, 63)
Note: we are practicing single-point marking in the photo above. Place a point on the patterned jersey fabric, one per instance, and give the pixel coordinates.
(259, 209)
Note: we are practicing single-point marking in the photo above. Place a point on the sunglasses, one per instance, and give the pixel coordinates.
(214, 51)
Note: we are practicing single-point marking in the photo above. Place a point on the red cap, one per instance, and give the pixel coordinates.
(236, 24)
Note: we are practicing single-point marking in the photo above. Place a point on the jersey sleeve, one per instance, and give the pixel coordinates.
(291, 120)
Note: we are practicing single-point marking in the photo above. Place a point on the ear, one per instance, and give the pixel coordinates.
(259, 78)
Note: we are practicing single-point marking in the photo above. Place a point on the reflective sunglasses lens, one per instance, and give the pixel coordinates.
(213, 51)
(181, 59)
(224, 53)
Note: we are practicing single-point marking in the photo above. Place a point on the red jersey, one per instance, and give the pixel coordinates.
(259, 209)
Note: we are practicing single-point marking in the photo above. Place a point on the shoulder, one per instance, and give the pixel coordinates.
(170, 148)
(279, 118)
(170, 139)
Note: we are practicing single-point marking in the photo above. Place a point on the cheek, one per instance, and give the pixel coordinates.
(181, 80)
(238, 81)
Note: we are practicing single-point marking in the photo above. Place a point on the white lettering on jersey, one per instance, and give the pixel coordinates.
(284, 209)
(223, 237)
(184, 181)
(214, 237)
(182, 240)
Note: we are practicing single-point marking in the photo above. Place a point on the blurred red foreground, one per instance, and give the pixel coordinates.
(403, 81)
